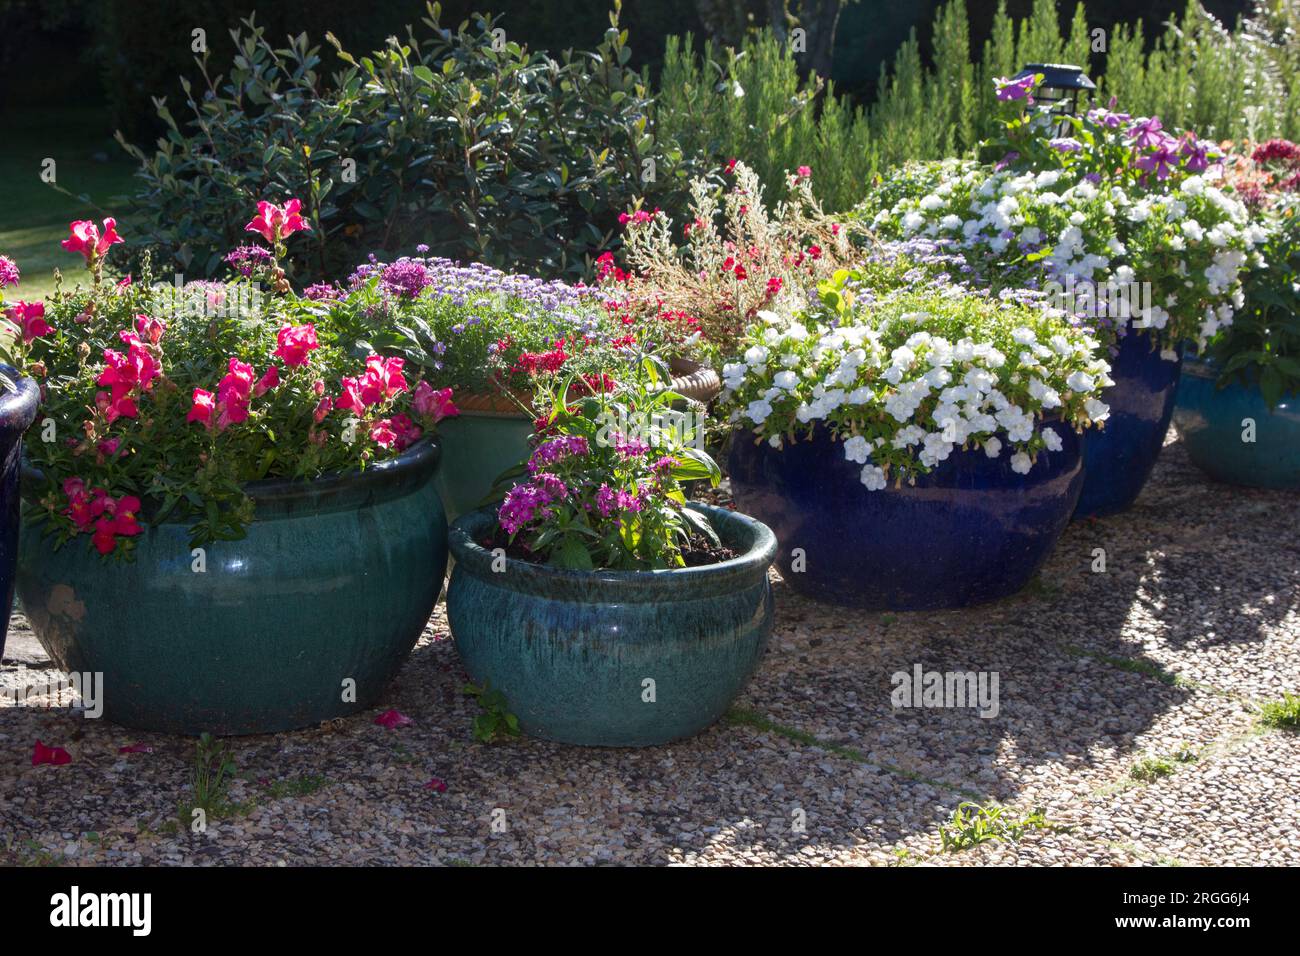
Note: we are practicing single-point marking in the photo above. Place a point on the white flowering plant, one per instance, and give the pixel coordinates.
(907, 377)
(1122, 235)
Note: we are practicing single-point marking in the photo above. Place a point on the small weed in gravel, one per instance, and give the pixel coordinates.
(1152, 768)
(973, 824)
(1281, 714)
(496, 722)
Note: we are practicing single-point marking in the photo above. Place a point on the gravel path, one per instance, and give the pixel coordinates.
(1164, 657)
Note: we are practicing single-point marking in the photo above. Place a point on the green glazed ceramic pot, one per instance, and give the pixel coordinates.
(305, 619)
(612, 658)
(1233, 436)
(478, 446)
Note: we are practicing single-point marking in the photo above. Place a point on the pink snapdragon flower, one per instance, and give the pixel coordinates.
(382, 379)
(294, 342)
(9, 274)
(86, 238)
(433, 405)
(274, 223)
(29, 317)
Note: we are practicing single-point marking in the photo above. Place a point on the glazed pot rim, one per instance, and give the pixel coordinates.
(18, 407)
(759, 550)
(328, 492)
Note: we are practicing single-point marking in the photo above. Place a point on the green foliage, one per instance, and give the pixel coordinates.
(753, 105)
(496, 722)
(1262, 346)
(1281, 714)
(210, 776)
(461, 139)
(972, 825)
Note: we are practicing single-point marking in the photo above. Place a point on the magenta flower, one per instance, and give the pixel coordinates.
(436, 785)
(51, 755)
(274, 223)
(393, 719)
(8, 272)
(135, 749)
(89, 241)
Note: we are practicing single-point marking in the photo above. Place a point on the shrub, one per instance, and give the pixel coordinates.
(735, 257)
(476, 146)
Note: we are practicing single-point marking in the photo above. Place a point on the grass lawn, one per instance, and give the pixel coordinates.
(34, 216)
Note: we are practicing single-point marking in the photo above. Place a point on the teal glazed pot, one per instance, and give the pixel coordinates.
(17, 412)
(329, 590)
(477, 447)
(1213, 424)
(612, 658)
(1119, 457)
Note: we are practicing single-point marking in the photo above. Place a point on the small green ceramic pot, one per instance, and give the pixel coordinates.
(305, 619)
(612, 658)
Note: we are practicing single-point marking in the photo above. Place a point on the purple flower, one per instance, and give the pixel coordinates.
(406, 278)
(322, 291)
(1006, 161)
(1160, 161)
(629, 447)
(556, 449)
(247, 258)
(1065, 144)
(1016, 89)
(1146, 133)
(1196, 153)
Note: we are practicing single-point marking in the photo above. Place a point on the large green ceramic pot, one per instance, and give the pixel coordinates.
(613, 658)
(478, 446)
(490, 436)
(305, 619)
(1232, 435)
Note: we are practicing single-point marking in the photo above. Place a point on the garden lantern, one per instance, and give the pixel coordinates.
(1060, 87)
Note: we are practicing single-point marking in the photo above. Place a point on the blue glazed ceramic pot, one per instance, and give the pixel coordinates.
(306, 618)
(573, 651)
(1212, 423)
(970, 531)
(17, 412)
(1117, 459)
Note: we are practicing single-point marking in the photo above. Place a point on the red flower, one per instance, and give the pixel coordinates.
(730, 167)
(201, 409)
(294, 342)
(267, 382)
(30, 319)
(436, 785)
(274, 222)
(87, 239)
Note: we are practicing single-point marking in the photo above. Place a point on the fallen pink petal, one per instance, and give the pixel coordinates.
(392, 719)
(51, 755)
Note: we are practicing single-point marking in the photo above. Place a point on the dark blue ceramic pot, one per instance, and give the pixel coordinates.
(612, 658)
(1117, 459)
(17, 412)
(970, 531)
(1216, 423)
